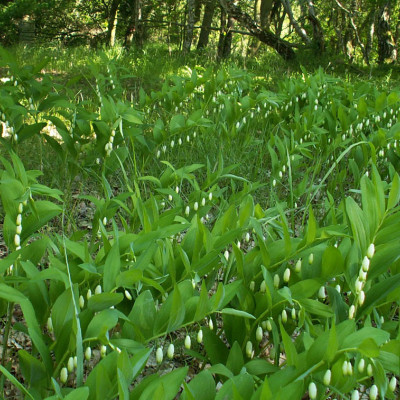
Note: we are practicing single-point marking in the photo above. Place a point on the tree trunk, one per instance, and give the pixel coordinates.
(318, 33)
(206, 25)
(266, 36)
(299, 30)
(265, 13)
(189, 26)
(133, 25)
(112, 23)
(197, 10)
(386, 45)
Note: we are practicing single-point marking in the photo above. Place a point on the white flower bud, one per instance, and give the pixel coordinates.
(355, 395)
(170, 197)
(284, 316)
(393, 384)
(373, 392)
(226, 255)
(97, 290)
(263, 287)
(63, 375)
(365, 264)
(210, 196)
(49, 324)
(361, 366)
(294, 313)
(210, 324)
(311, 258)
(349, 368)
(18, 230)
(128, 295)
(176, 189)
(81, 301)
(361, 298)
(344, 367)
(200, 336)
(88, 353)
(159, 355)
(362, 276)
(352, 311)
(338, 288)
(286, 275)
(170, 351)
(19, 219)
(247, 237)
(369, 370)
(276, 281)
(269, 325)
(188, 342)
(297, 267)
(103, 351)
(187, 211)
(20, 209)
(259, 334)
(172, 144)
(17, 240)
(196, 206)
(252, 286)
(70, 364)
(88, 294)
(249, 349)
(274, 183)
(312, 391)
(321, 292)
(371, 251)
(105, 221)
(358, 286)
(327, 377)
(203, 201)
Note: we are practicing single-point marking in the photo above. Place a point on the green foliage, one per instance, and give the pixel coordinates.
(274, 265)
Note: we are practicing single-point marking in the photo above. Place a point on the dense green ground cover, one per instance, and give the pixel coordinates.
(229, 231)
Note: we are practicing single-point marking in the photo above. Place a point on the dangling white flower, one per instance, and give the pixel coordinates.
(170, 351)
(188, 342)
(286, 275)
(312, 390)
(284, 316)
(327, 377)
(200, 336)
(159, 355)
(259, 334)
(88, 353)
(63, 375)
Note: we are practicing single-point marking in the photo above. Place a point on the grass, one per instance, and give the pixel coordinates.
(190, 192)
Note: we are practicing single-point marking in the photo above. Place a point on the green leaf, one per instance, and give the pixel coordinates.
(102, 301)
(201, 387)
(290, 349)
(332, 263)
(237, 313)
(166, 387)
(101, 323)
(235, 359)
(81, 393)
(112, 267)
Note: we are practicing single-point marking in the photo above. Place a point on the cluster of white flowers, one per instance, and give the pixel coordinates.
(18, 229)
(109, 145)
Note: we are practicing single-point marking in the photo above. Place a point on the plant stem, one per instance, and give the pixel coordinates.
(6, 334)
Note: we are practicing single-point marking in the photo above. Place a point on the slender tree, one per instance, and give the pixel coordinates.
(189, 26)
(206, 25)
